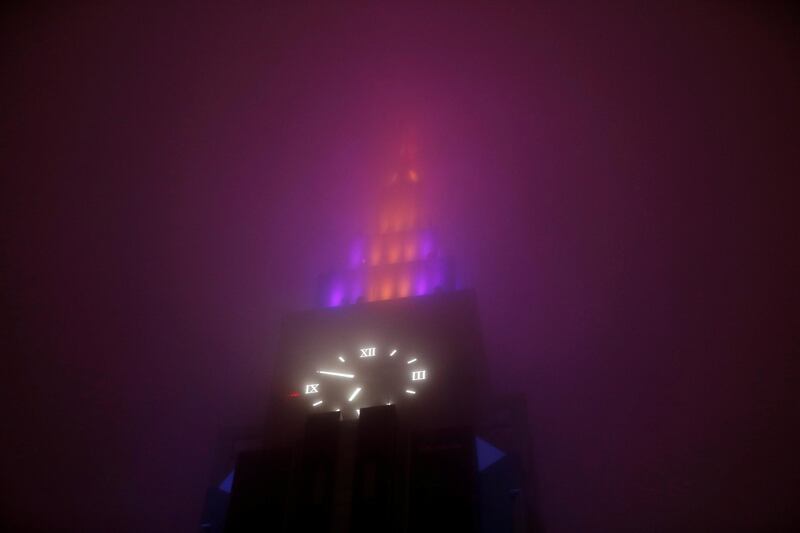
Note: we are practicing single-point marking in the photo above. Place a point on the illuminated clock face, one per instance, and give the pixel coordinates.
(367, 376)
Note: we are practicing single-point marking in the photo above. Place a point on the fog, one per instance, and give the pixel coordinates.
(616, 183)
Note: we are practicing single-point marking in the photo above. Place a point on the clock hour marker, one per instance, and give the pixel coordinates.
(316, 403)
(418, 375)
(409, 391)
(368, 352)
(392, 352)
(312, 388)
(412, 361)
(336, 374)
(355, 393)
(341, 359)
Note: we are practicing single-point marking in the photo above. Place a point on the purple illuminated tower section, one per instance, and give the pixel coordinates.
(398, 257)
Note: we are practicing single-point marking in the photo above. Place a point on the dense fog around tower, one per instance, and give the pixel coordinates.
(617, 184)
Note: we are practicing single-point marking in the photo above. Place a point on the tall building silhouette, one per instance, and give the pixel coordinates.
(381, 417)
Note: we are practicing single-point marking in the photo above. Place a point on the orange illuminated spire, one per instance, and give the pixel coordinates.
(398, 256)
(406, 169)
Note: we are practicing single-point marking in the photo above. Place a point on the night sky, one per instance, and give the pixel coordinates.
(617, 183)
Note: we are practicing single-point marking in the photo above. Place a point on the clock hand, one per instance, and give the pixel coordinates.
(336, 374)
(355, 393)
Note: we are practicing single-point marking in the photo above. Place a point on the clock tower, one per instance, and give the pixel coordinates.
(398, 256)
(379, 395)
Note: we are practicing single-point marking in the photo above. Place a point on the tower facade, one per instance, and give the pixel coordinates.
(398, 256)
(380, 401)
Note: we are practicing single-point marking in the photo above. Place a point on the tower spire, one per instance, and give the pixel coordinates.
(398, 257)
(406, 168)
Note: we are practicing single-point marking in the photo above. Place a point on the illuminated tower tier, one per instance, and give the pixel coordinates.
(399, 256)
